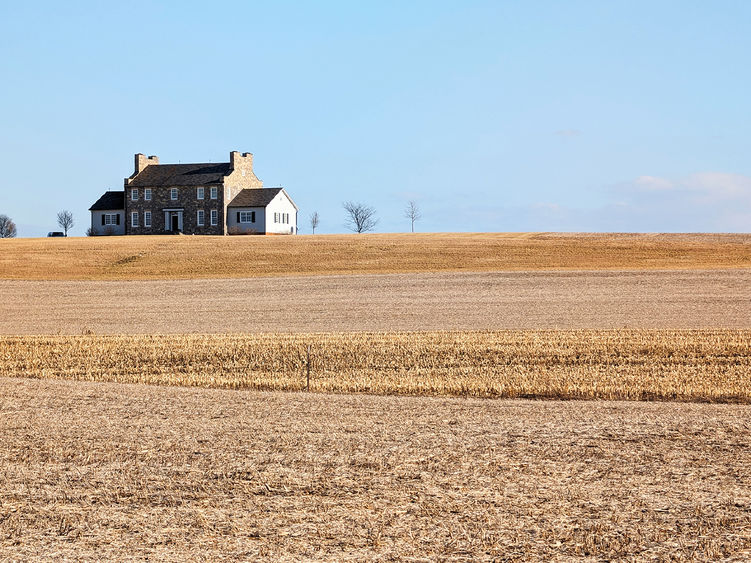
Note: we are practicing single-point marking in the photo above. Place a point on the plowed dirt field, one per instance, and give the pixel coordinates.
(382, 302)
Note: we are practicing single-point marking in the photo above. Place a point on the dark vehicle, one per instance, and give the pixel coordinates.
(55, 234)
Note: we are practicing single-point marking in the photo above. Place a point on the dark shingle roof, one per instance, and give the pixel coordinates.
(109, 201)
(254, 197)
(181, 174)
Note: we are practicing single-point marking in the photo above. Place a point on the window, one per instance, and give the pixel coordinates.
(214, 192)
(134, 219)
(111, 219)
(276, 217)
(214, 216)
(199, 193)
(199, 217)
(247, 217)
(134, 194)
(147, 218)
(173, 193)
(147, 194)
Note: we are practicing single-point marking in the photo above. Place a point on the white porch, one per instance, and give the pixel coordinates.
(173, 219)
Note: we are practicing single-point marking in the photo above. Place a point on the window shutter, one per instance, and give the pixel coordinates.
(102, 218)
(252, 216)
(118, 219)
(238, 216)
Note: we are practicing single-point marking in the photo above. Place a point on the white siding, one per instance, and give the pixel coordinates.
(265, 218)
(235, 227)
(281, 204)
(99, 229)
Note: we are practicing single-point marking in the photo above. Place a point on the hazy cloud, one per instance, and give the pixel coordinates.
(653, 183)
(706, 184)
(704, 201)
(720, 184)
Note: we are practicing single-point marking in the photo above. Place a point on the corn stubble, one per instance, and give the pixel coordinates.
(93, 472)
(690, 365)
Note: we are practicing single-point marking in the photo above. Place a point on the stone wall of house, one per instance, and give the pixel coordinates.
(241, 176)
(187, 200)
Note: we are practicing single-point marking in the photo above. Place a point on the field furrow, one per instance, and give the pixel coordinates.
(383, 302)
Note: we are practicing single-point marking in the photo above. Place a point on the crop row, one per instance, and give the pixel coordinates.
(711, 365)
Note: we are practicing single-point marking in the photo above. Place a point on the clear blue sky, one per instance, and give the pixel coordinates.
(493, 116)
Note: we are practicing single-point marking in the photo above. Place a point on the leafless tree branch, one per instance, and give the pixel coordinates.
(360, 217)
(7, 227)
(65, 220)
(413, 213)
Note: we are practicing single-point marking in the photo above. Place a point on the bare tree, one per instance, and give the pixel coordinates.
(413, 213)
(314, 220)
(65, 220)
(7, 227)
(360, 217)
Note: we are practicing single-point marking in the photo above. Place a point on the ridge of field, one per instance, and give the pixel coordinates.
(679, 299)
(697, 365)
(190, 257)
(95, 472)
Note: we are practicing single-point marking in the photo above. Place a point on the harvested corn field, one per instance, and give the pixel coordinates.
(129, 472)
(698, 365)
(97, 470)
(170, 257)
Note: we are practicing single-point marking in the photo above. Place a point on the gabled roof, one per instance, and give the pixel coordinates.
(181, 174)
(257, 197)
(110, 201)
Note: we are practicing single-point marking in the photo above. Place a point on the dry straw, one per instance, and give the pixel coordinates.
(703, 365)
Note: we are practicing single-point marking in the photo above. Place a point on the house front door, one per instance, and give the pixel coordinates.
(175, 222)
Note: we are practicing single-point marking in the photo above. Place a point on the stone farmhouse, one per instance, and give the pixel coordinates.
(201, 199)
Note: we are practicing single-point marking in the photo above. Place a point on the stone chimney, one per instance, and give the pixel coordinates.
(142, 161)
(239, 161)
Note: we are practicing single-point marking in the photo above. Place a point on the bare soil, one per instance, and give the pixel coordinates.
(437, 301)
(103, 471)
